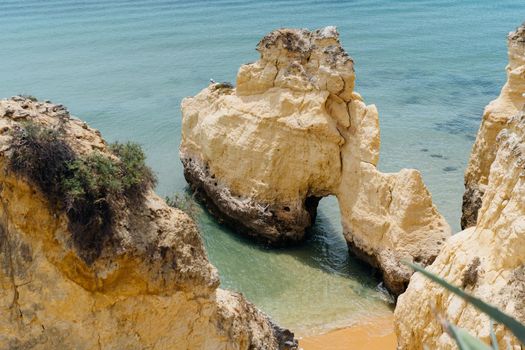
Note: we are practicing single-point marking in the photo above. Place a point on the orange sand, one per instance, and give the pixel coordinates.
(376, 335)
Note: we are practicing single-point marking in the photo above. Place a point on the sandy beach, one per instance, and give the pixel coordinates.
(377, 335)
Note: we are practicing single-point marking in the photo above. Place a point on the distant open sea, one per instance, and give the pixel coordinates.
(124, 66)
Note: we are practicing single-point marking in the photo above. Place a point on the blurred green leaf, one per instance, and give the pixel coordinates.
(512, 324)
(493, 338)
(465, 340)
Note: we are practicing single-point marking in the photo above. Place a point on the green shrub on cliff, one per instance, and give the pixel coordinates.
(223, 85)
(95, 175)
(29, 97)
(136, 175)
(89, 188)
(102, 177)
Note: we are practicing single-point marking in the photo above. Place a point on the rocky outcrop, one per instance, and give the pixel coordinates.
(261, 155)
(251, 151)
(495, 118)
(487, 260)
(150, 286)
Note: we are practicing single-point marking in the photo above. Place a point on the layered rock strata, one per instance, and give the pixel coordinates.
(495, 118)
(150, 287)
(261, 155)
(488, 259)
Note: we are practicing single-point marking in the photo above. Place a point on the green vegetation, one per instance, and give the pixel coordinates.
(184, 202)
(464, 340)
(89, 188)
(29, 97)
(137, 177)
(223, 85)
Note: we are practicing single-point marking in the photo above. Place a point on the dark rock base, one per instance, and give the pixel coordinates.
(275, 224)
(394, 273)
(471, 205)
(394, 283)
(285, 338)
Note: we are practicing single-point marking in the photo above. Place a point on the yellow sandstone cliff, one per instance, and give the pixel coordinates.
(495, 118)
(488, 259)
(149, 285)
(293, 130)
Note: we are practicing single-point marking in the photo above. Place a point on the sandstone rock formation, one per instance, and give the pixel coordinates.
(262, 154)
(150, 287)
(487, 260)
(496, 115)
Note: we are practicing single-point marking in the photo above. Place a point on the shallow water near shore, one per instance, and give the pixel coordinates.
(124, 66)
(311, 288)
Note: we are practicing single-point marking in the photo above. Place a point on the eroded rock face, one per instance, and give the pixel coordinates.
(247, 149)
(495, 118)
(151, 286)
(487, 260)
(262, 154)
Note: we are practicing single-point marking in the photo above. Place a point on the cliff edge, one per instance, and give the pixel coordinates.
(488, 259)
(90, 260)
(495, 118)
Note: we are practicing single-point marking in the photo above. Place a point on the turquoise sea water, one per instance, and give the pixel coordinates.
(124, 66)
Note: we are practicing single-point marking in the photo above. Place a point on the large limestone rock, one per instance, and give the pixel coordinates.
(496, 115)
(150, 287)
(262, 154)
(487, 260)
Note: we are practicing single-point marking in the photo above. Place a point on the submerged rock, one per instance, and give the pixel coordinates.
(495, 118)
(488, 259)
(149, 283)
(261, 155)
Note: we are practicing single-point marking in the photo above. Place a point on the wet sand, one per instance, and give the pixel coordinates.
(376, 335)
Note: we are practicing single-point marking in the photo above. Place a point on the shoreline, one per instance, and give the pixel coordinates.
(373, 335)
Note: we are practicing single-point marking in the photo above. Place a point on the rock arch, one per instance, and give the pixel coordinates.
(293, 131)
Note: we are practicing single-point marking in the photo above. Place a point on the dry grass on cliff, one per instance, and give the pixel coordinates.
(183, 202)
(91, 188)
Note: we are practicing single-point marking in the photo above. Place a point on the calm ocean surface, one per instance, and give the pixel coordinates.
(124, 66)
